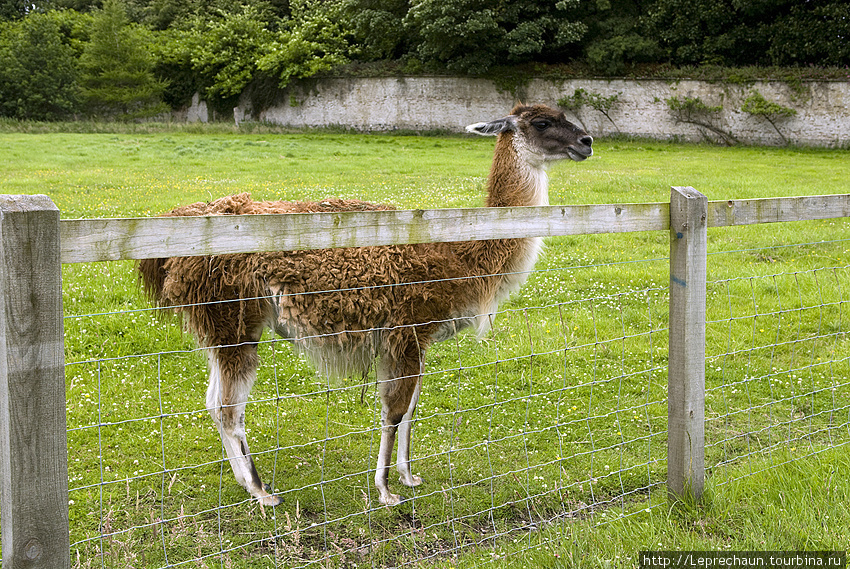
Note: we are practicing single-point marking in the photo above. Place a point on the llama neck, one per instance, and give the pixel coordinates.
(517, 176)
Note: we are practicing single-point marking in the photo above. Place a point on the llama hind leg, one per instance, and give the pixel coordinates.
(232, 374)
(398, 382)
(405, 434)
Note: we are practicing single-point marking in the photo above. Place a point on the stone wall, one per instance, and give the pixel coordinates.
(447, 103)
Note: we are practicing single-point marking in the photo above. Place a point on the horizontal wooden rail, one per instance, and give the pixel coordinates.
(773, 210)
(88, 240)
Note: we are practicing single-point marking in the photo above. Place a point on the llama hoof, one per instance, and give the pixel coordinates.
(410, 481)
(266, 498)
(391, 499)
(270, 500)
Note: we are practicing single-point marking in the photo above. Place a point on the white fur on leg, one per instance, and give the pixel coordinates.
(405, 433)
(232, 432)
(382, 470)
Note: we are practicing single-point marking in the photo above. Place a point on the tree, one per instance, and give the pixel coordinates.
(697, 32)
(223, 51)
(164, 14)
(596, 101)
(38, 67)
(117, 67)
(616, 38)
(240, 49)
(751, 32)
(816, 32)
(13, 9)
(312, 41)
(473, 36)
(377, 27)
(770, 111)
(692, 110)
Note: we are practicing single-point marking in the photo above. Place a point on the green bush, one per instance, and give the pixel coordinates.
(222, 57)
(596, 101)
(772, 112)
(693, 110)
(222, 52)
(38, 67)
(313, 40)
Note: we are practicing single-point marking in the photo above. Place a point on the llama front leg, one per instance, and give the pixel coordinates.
(232, 374)
(398, 384)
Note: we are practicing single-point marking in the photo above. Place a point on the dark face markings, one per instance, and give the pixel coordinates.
(549, 130)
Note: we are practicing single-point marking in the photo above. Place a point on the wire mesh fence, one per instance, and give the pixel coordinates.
(558, 413)
(777, 375)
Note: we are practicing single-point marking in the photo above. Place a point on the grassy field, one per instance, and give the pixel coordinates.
(543, 445)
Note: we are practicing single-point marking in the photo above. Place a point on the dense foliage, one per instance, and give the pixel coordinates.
(126, 58)
(116, 67)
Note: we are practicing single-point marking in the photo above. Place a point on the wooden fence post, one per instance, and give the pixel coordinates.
(33, 447)
(686, 364)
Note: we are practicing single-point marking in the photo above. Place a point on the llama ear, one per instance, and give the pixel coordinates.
(493, 128)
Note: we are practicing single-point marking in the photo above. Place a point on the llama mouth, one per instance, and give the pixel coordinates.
(579, 155)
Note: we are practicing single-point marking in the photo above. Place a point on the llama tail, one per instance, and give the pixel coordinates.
(152, 277)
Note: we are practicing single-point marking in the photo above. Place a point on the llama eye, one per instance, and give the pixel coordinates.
(541, 125)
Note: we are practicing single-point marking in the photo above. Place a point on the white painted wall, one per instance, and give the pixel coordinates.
(449, 103)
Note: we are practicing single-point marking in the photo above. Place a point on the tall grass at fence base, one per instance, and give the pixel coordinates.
(801, 505)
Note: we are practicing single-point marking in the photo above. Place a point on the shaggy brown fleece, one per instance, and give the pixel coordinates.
(344, 306)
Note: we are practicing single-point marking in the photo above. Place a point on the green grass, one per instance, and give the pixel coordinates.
(560, 414)
(798, 505)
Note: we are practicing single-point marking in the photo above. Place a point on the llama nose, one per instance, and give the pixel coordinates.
(586, 140)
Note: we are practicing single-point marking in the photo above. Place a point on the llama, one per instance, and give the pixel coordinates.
(346, 308)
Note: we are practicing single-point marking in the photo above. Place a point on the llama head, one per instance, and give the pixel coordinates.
(540, 132)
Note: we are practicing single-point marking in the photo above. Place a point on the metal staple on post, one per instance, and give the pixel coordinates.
(33, 447)
(686, 363)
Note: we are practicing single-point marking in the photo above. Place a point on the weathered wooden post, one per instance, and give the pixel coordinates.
(686, 364)
(33, 447)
